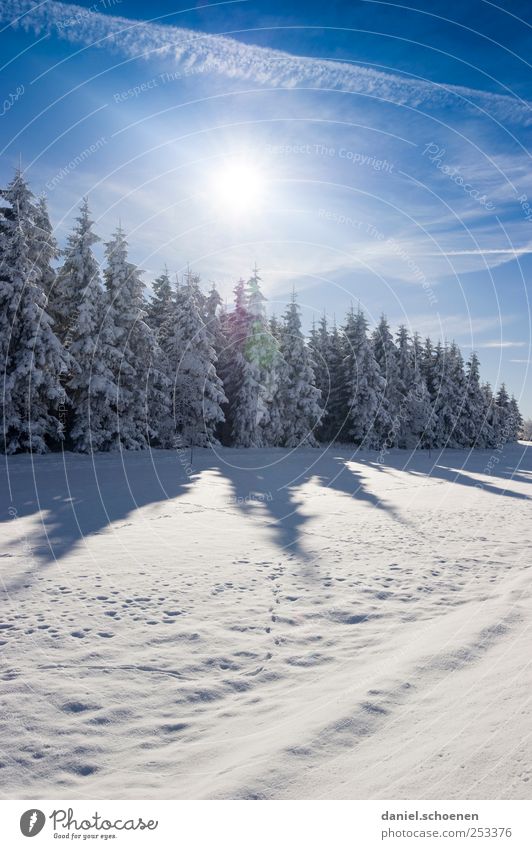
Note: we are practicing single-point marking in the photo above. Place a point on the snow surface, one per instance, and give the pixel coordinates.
(274, 624)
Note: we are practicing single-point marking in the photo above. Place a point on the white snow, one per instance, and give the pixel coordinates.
(275, 625)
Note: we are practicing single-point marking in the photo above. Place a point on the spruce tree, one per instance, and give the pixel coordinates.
(198, 393)
(234, 325)
(516, 420)
(405, 360)
(212, 320)
(428, 368)
(488, 428)
(82, 321)
(407, 380)
(364, 385)
(502, 416)
(457, 396)
(471, 426)
(160, 305)
(443, 397)
(387, 422)
(33, 400)
(262, 352)
(298, 395)
(327, 362)
(139, 411)
(419, 421)
(334, 423)
(252, 358)
(275, 327)
(47, 252)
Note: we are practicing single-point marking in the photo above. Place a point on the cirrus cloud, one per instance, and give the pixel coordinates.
(190, 52)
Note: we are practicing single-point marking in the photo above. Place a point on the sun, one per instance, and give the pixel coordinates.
(238, 188)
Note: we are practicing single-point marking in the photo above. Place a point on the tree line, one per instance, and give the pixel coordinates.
(90, 364)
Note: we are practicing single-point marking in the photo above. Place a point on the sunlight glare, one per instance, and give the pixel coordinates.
(238, 188)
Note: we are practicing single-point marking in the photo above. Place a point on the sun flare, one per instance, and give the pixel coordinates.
(239, 188)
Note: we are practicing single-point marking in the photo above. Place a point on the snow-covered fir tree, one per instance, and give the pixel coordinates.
(213, 306)
(335, 421)
(363, 383)
(249, 383)
(502, 417)
(489, 437)
(275, 327)
(405, 378)
(405, 360)
(47, 252)
(140, 406)
(413, 420)
(255, 361)
(472, 426)
(387, 422)
(318, 344)
(160, 305)
(215, 318)
(197, 390)
(516, 420)
(235, 327)
(416, 407)
(298, 395)
(442, 396)
(327, 362)
(33, 359)
(261, 351)
(249, 410)
(457, 401)
(83, 323)
(526, 430)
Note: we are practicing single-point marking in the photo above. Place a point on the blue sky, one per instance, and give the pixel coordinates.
(391, 145)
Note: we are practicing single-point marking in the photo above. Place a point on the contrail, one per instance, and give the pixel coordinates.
(191, 52)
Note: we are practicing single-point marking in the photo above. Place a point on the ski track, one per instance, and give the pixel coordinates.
(314, 625)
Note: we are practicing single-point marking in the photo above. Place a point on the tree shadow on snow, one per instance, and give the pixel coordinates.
(485, 469)
(279, 487)
(71, 497)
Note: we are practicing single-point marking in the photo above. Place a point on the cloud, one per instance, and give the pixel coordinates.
(526, 249)
(455, 326)
(499, 344)
(191, 52)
